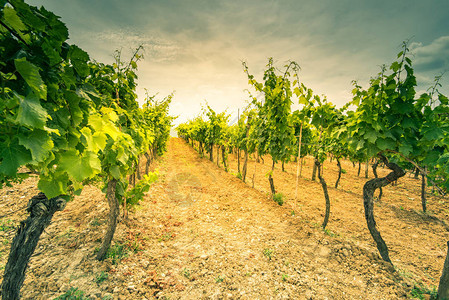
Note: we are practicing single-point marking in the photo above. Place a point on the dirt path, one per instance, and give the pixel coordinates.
(201, 233)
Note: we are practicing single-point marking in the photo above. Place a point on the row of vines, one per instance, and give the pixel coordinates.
(70, 121)
(386, 123)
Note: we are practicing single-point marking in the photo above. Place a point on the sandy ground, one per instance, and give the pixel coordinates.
(202, 233)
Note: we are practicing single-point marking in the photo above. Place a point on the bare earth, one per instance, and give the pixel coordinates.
(202, 233)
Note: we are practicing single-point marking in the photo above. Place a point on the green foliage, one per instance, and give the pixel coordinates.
(419, 291)
(268, 253)
(102, 276)
(219, 279)
(278, 198)
(390, 118)
(72, 294)
(117, 252)
(7, 225)
(273, 127)
(64, 117)
(186, 273)
(136, 193)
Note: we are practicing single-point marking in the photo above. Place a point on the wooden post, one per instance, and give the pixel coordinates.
(298, 162)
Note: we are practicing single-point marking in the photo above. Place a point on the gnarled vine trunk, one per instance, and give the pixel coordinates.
(326, 194)
(245, 166)
(270, 180)
(218, 155)
(224, 157)
(211, 153)
(443, 286)
(112, 221)
(147, 163)
(41, 211)
(375, 165)
(314, 172)
(238, 160)
(368, 192)
(339, 172)
(139, 176)
(423, 190)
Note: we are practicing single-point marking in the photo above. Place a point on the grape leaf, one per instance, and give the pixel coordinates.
(39, 144)
(12, 157)
(30, 74)
(79, 167)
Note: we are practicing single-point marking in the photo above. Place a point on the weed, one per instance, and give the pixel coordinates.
(134, 246)
(117, 252)
(66, 234)
(286, 263)
(7, 225)
(330, 233)
(268, 253)
(421, 290)
(284, 277)
(72, 294)
(186, 273)
(239, 176)
(101, 277)
(292, 213)
(219, 279)
(248, 274)
(95, 222)
(166, 237)
(278, 198)
(343, 171)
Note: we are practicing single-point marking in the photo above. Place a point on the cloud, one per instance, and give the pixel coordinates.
(196, 46)
(433, 57)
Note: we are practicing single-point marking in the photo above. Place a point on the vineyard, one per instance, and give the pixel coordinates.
(98, 202)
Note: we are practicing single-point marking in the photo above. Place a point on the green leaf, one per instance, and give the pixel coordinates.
(79, 167)
(12, 157)
(405, 149)
(51, 53)
(11, 19)
(30, 74)
(409, 123)
(99, 139)
(115, 172)
(386, 143)
(79, 59)
(432, 133)
(360, 145)
(38, 142)
(76, 113)
(53, 185)
(371, 136)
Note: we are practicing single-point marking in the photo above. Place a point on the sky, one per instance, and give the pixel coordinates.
(195, 48)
